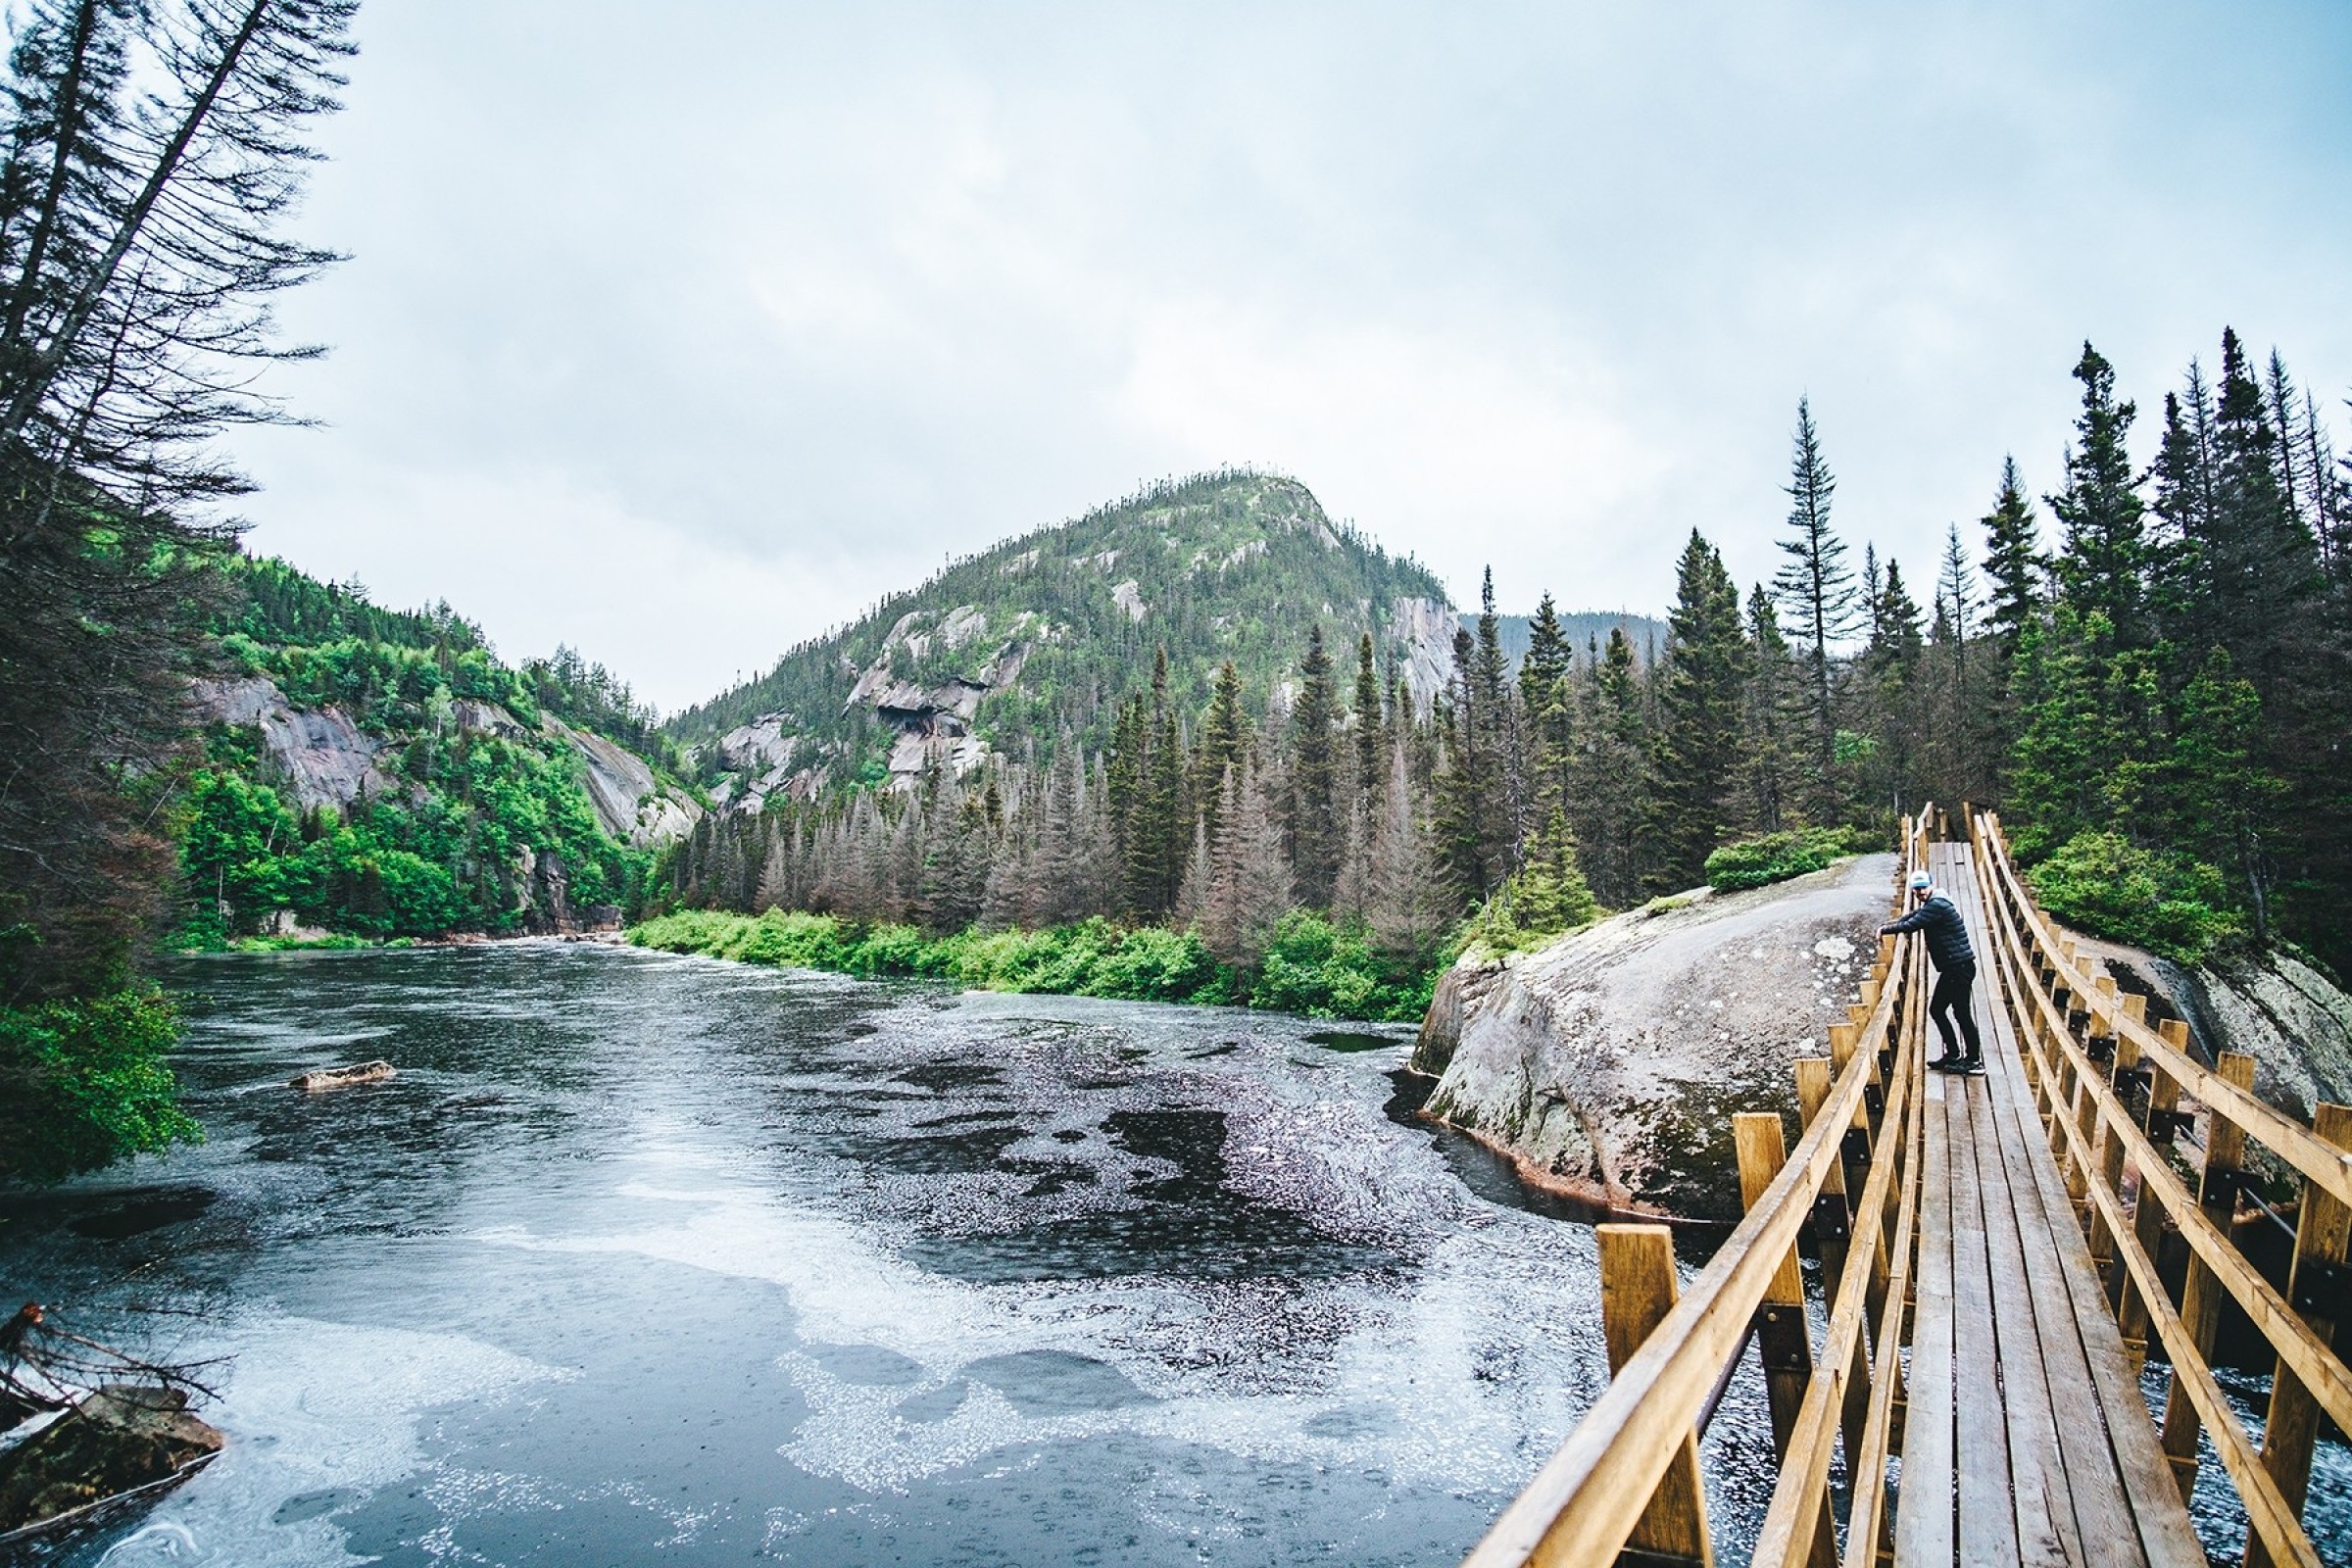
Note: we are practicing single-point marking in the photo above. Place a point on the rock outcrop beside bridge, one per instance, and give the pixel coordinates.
(1607, 1065)
(2289, 1016)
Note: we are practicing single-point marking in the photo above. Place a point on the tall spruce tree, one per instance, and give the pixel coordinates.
(1814, 586)
(1771, 717)
(2015, 567)
(1371, 743)
(2104, 556)
(1694, 753)
(1314, 820)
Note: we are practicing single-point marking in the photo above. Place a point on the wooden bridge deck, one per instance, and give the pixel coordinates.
(2027, 1438)
(2021, 1214)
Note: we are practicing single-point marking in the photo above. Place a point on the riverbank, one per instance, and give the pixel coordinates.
(1310, 967)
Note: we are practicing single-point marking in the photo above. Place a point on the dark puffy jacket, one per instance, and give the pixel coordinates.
(1947, 931)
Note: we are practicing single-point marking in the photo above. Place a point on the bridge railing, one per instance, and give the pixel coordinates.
(2116, 1096)
(1625, 1485)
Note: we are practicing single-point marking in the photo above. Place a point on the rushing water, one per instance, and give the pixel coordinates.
(644, 1258)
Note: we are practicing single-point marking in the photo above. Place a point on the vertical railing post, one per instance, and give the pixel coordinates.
(1782, 1339)
(2147, 1215)
(2316, 1290)
(1832, 1236)
(1638, 1288)
(2201, 1295)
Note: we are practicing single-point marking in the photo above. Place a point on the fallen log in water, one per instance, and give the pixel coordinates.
(365, 1072)
(125, 1440)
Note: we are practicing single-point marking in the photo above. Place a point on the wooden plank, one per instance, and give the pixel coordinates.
(1987, 1528)
(1923, 1517)
(2166, 1536)
(1637, 1289)
(2089, 1503)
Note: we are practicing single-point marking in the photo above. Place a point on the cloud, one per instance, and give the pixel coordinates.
(681, 337)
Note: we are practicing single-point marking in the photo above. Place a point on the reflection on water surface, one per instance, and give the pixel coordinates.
(650, 1258)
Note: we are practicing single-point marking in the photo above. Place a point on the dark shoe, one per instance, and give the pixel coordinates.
(1974, 1066)
(1949, 1064)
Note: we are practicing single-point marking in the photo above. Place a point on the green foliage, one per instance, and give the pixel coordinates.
(2156, 898)
(1327, 971)
(1309, 966)
(1224, 563)
(1776, 857)
(84, 1083)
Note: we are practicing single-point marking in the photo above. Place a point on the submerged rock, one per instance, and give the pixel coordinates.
(124, 1437)
(1608, 1063)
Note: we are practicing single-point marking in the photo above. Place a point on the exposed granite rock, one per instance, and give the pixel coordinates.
(630, 803)
(320, 755)
(1608, 1063)
(1426, 627)
(2293, 1021)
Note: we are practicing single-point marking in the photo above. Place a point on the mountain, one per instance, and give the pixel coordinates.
(1041, 636)
(383, 774)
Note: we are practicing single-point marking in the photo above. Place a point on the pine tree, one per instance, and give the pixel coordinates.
(1466, 781)
(1693, 755)
(2102, 565)
(1771, 716)
(1250, 886)
(1409, 901)
(1371, 744)
(1224, 740)
(1314, 777)
(2219, 797)
(2013, 565)
(2263, 565)
(1815, 586)
(1611, 776)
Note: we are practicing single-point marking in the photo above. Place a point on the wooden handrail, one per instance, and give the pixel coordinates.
(2297, 1144)
(2104, 1122)
(1584, 1505)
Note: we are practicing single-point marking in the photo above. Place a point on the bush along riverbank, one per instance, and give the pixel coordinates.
(1309, 966)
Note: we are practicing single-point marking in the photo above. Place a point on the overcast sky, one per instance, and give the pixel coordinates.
(680, 333)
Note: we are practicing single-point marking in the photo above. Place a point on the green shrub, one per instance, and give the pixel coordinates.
(1776, 857)
(1310, 968)
(84, 1083)
(2164, 902)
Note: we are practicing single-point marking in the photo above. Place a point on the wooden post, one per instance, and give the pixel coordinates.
(1638, 1288)
(1832, 1236)
(1783, 1341)
(2292, 1427)
(2147, 1215)
(2111, 1152)
(2201, 1295)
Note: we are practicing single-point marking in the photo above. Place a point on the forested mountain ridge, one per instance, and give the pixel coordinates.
(383, 773)
(1044, 634)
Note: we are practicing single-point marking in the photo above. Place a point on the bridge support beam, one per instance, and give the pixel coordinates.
(1637, 1289)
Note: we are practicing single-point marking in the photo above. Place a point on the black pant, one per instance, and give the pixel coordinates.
(1952, 988)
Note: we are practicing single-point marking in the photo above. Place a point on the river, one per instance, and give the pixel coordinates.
(644, 1258)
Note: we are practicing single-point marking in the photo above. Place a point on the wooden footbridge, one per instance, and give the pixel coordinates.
(2001, 1259)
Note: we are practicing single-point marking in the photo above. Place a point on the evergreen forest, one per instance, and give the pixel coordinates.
(2143, 666)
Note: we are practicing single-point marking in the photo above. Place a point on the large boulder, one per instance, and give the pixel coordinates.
(2292, 1018)
(1608, 1064)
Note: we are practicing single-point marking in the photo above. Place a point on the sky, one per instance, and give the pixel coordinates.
(680, 333)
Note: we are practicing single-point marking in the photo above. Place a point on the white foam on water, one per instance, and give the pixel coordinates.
(313, 1406)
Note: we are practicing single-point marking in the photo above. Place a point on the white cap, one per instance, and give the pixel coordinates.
(1921, 882)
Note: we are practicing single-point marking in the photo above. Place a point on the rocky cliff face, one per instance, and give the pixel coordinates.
(2293, 1021)
(321, 754)
(1608, 1064)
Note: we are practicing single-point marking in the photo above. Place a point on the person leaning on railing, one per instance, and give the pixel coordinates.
(1955, 971)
